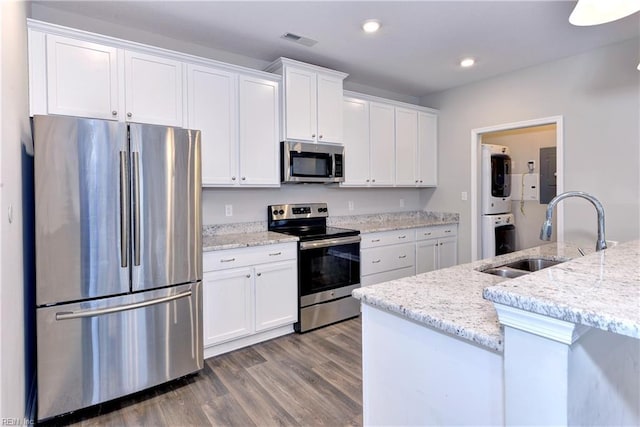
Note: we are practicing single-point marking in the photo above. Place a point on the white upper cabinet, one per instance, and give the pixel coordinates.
(382, 135)
(259, 147)
(212, 108)
(153, 88)
(356, 142)
(77, 77)
(406, 147)
(311, 101)
(81, 78)
(427, 149)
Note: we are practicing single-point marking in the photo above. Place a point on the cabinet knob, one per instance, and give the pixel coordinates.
(114, 113)
(373, 180)
(259, 274)
(313, 135)
(320, 137)
(416, 181)
(421, 181)
(367, 180)
(244, 178)
(129, 114)
(233, 178)
(248, 276)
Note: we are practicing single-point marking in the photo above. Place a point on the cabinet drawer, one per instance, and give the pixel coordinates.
(376, 260)
(383, 238)
(436, 232)
(242, 257)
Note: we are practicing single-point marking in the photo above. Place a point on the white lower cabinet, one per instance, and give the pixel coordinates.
(249, 295)
(436, 247)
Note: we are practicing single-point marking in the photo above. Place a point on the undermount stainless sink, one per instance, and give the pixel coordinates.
(521, 267)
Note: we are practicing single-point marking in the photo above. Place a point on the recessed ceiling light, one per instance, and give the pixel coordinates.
(467, 62)
(371, 26)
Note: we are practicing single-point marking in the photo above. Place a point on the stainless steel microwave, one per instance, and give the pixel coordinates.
(311, 162)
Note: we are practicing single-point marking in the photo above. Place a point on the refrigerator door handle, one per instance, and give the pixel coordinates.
(136, 208)
(101, 311)
(124, 223)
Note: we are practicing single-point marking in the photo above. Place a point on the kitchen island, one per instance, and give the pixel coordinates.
(435, 351)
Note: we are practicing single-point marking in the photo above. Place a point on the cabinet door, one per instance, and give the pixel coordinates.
(382, 135)
(82, 78)
(276, 295)
(153, 89)
(426, 256)
(406, 147)
(447, 252)
(300, 104)
(259, 148)
(427, 149)
(330, 120)
(356, 142)
(212, 108)
(227, 305)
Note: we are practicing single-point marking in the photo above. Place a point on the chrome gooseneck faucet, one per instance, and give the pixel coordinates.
(545, 232)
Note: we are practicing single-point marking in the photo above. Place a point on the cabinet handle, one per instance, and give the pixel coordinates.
(427, 234)
(275, 254)
(259, 274)
(129, 114)
(402, 237)
(244, 178)
(114, 113)
(447, 231)
(402, 256)
(228, 260)
(375, 261)
(375, 240)
(233, 178)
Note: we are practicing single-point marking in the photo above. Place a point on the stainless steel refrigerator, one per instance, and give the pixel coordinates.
(118, 259)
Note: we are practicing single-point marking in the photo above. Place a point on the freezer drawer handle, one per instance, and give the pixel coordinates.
(66, 315)
(124, 222)
(136, 209)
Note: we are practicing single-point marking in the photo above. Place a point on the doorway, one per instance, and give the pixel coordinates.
(518, 136)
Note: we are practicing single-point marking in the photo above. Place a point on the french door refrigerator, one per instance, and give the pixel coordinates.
(118, 259)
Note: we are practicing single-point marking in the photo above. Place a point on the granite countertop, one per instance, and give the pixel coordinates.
(243, 240)
(601, 290)
(394, 221)
(451, 299)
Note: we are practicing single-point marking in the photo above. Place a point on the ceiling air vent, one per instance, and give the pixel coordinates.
(305, 41)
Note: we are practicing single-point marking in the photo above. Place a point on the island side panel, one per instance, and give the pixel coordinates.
(415, 375)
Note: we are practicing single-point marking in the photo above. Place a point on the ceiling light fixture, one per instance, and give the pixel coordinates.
(467, 62)
(371, 26)
(595, 12)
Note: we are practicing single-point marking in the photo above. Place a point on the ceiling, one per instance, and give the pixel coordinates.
(416, 52)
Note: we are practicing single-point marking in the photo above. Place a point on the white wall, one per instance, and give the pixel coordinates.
(14, 132)
(597, 93)
(524, 145)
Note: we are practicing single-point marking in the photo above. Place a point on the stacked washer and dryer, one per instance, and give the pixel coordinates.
(498, 228)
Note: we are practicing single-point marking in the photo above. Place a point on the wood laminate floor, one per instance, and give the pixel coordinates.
(295, 380)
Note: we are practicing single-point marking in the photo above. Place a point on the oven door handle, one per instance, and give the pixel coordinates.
(329, 242)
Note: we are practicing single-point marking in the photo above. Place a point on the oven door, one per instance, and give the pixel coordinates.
(328, 268)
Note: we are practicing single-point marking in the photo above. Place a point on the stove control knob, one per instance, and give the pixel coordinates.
(281, 212)
(275, 211)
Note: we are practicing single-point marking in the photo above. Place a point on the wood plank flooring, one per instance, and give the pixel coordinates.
(296, 380)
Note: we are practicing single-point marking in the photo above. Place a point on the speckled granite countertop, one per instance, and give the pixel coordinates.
(393, 221)
(243, 240)
(601, 290)
(451, 299)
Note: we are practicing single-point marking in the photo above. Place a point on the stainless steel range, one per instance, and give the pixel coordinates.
(328, 264)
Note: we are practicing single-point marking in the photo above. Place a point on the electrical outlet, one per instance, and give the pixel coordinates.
(463, 195)
(350, 205)
(402, 203)
(228, 210)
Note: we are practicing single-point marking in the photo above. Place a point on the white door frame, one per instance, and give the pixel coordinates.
(476, 139)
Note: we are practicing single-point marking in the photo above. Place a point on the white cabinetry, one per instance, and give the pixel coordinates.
(387, 255)
(436, 247)
(238, 117)
(250, 295)
(79, 77)
(311, 101)
(396, 143)
(153, 89)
